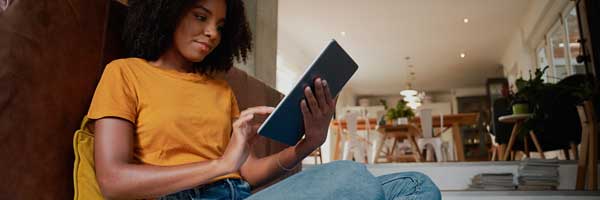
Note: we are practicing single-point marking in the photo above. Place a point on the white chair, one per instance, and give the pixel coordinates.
(354, 147)
(369, 137)
(427, 140)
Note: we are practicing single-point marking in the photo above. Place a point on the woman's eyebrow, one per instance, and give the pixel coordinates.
(203, 8)
(208, 11)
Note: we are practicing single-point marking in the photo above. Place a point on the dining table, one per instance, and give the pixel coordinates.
(453, 121)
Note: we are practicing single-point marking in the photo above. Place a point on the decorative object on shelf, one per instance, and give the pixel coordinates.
(411, 96)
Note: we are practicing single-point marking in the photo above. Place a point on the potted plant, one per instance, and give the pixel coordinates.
(400, 114)
(519, 103)
(544, 99)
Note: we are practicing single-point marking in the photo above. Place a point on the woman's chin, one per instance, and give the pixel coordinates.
(196, 58)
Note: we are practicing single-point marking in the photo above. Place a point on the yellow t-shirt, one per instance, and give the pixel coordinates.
(179, 117)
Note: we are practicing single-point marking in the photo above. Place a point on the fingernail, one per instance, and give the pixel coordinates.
(307, 88)
(324, 83)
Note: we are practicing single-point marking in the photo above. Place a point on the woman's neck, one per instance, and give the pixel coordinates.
(173, 60)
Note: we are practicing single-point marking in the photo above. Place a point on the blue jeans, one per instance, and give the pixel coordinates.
(230, 189)
(337, 180)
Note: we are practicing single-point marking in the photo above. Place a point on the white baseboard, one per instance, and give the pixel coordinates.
(457, 175)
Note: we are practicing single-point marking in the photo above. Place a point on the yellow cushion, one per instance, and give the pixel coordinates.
(84, 176)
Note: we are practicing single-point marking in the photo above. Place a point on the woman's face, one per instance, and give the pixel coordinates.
(199, 30)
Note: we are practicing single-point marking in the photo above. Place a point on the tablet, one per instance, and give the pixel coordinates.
(286, 124)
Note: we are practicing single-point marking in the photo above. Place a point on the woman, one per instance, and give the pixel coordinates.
(167, 125)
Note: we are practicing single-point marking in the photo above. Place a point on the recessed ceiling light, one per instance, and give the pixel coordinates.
(343, 33)
(466, 20)
(462, 55)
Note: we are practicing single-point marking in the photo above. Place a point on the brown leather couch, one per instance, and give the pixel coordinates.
(52, 54)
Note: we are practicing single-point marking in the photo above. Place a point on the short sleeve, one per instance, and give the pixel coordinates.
(235, 109)
(115, 95)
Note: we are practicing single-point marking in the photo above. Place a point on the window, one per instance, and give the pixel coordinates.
(562, 47)
(558, 51)
(573, 36)
(543, 62)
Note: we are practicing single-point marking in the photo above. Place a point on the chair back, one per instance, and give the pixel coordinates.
(351, 122)
(426, 122)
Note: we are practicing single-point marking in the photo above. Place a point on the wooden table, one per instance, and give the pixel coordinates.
(399, 133)
(518, 120)
(454, 121)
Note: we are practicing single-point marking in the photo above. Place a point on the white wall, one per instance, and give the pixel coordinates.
(262, 19)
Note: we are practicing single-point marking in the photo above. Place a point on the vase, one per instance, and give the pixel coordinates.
(520, 108)
(402, 120)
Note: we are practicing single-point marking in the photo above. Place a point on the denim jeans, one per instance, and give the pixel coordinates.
(336, 180)
(230, 189)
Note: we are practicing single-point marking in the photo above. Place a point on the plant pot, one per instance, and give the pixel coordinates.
(520, 108)
(402, 120)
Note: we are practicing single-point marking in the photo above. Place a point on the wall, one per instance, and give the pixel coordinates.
(519, 57)
(261, 64)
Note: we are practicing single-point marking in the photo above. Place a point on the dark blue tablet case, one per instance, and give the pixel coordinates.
(285, 124)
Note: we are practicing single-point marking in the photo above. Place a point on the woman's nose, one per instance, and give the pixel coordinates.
(211, 31)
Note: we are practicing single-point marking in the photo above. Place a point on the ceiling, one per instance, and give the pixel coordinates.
(381, 33)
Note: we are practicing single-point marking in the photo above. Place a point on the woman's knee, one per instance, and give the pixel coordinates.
(408, 183)
(426, 185)
(345, 167)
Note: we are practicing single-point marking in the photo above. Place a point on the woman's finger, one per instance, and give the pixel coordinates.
(330, 101)
(305, 112)
(258, 110)
(312, 102)
(243, 119)
(320, 93)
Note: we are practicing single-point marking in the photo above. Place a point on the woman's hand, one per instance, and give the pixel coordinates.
(243, 134)
(317, 112)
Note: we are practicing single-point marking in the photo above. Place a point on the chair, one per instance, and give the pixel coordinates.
(587, 166)
(427, 136)
(354, 146)
(317, 155)
(369, 132)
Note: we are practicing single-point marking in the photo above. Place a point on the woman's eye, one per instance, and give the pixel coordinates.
(201, 17)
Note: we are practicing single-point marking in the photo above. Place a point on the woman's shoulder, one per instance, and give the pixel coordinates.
(124, 65)
(126, 62)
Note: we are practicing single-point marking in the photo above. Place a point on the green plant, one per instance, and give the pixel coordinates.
(542, 98)
(384, 103)
(401, 110)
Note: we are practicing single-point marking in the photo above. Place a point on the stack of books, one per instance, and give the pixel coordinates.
(493, 181)
(538, 174)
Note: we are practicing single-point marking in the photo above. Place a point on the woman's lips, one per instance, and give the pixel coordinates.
(203, 46)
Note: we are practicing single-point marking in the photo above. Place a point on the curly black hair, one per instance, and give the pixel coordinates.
(150, 25)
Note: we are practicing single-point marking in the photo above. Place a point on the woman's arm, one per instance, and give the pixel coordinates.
(120, 177)
(317, 113)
